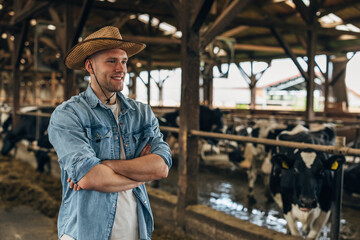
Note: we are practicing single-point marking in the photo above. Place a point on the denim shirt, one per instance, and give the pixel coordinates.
(84, 132)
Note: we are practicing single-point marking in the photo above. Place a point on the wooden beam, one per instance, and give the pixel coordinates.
(30, 12)
(84, 13)
(338, 7)
(149, 7)
(151, 40)
(222, 21)
(303, 10)
(200, 14)
(174, 7)
(251, 47)
(234, 31)
(288, 51)
(293, 27)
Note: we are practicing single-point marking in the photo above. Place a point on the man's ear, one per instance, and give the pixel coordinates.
(88, 67)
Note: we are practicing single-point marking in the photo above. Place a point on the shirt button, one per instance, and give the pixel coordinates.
(126, 145)
(109, 226)
(116, 138)
(113, 204)
(121, 123)
(145, 201)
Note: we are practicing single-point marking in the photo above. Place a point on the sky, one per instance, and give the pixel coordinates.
(232, 90)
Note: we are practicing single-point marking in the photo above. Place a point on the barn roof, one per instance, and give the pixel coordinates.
(260, 30)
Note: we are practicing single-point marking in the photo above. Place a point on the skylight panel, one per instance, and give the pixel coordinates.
(167, 28)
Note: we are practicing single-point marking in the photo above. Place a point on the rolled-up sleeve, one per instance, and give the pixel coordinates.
(68, 136)
(158, 145)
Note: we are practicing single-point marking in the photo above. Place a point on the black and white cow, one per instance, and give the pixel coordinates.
(257, 157)
(5, 119)
(302, 180)
(26, 129)
(352, 180)
(210, 120)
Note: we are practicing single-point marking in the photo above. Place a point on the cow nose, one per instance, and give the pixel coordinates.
(306, 202)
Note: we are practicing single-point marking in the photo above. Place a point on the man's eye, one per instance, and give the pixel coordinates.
(124, 62)
(111, 61)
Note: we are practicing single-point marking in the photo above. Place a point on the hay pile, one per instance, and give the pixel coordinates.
(20, 184)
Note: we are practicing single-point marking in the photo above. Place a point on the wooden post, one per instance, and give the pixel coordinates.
(338, 186)
(19, 46)
(69, 85)
(310, 85)
(326, 92)
(189, 113)
(53, 87)
(148, 85)
(208, 84)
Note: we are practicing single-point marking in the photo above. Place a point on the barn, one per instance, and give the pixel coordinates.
(258, 102)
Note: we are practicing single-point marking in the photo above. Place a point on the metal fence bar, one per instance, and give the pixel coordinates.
(324, 148)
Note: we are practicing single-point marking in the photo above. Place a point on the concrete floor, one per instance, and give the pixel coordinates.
(24, 223)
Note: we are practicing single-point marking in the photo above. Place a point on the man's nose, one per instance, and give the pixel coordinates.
(120, 67)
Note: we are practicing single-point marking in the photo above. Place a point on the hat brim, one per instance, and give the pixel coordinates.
(75, 59)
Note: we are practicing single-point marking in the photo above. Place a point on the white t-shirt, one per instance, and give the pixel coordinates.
(126, 220)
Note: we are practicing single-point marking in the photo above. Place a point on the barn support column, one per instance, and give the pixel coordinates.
(309, 16)
(148, 84)
(326, 91)
(132, 85)
(189, 113)
(69, 85)
(337, 85)
(160, 84)
(252, 80)
(207, 85)
(17, 76)
(310, 84)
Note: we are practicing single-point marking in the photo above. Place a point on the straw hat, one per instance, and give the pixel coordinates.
(103, 39)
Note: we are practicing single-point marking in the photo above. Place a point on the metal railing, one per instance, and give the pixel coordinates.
(338, 149)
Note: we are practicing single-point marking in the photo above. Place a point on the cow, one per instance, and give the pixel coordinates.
(256, 157)
(210, 120)
(5, 119)
(352, 179)
(27, 129)
(302, 180)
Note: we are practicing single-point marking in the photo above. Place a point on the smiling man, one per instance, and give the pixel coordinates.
(108, 146)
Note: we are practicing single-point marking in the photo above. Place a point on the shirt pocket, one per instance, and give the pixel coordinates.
(140, 138)
(100, 140)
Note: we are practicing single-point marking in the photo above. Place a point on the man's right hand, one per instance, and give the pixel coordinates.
(73, 185)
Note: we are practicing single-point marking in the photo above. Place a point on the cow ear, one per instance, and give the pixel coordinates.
(281, 160)
(334, 162)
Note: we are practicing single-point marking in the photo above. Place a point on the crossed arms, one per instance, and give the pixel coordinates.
(120, 175)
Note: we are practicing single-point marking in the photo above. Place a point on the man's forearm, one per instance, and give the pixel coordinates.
(103, 179)
(145, 168)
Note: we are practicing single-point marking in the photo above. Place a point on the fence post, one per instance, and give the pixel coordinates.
(336, 204)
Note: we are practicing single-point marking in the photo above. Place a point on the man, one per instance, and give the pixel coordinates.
(107, 146)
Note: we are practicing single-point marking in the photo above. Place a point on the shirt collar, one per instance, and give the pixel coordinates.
(93, 100)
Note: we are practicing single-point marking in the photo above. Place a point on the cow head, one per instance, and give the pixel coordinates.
(305, 178)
